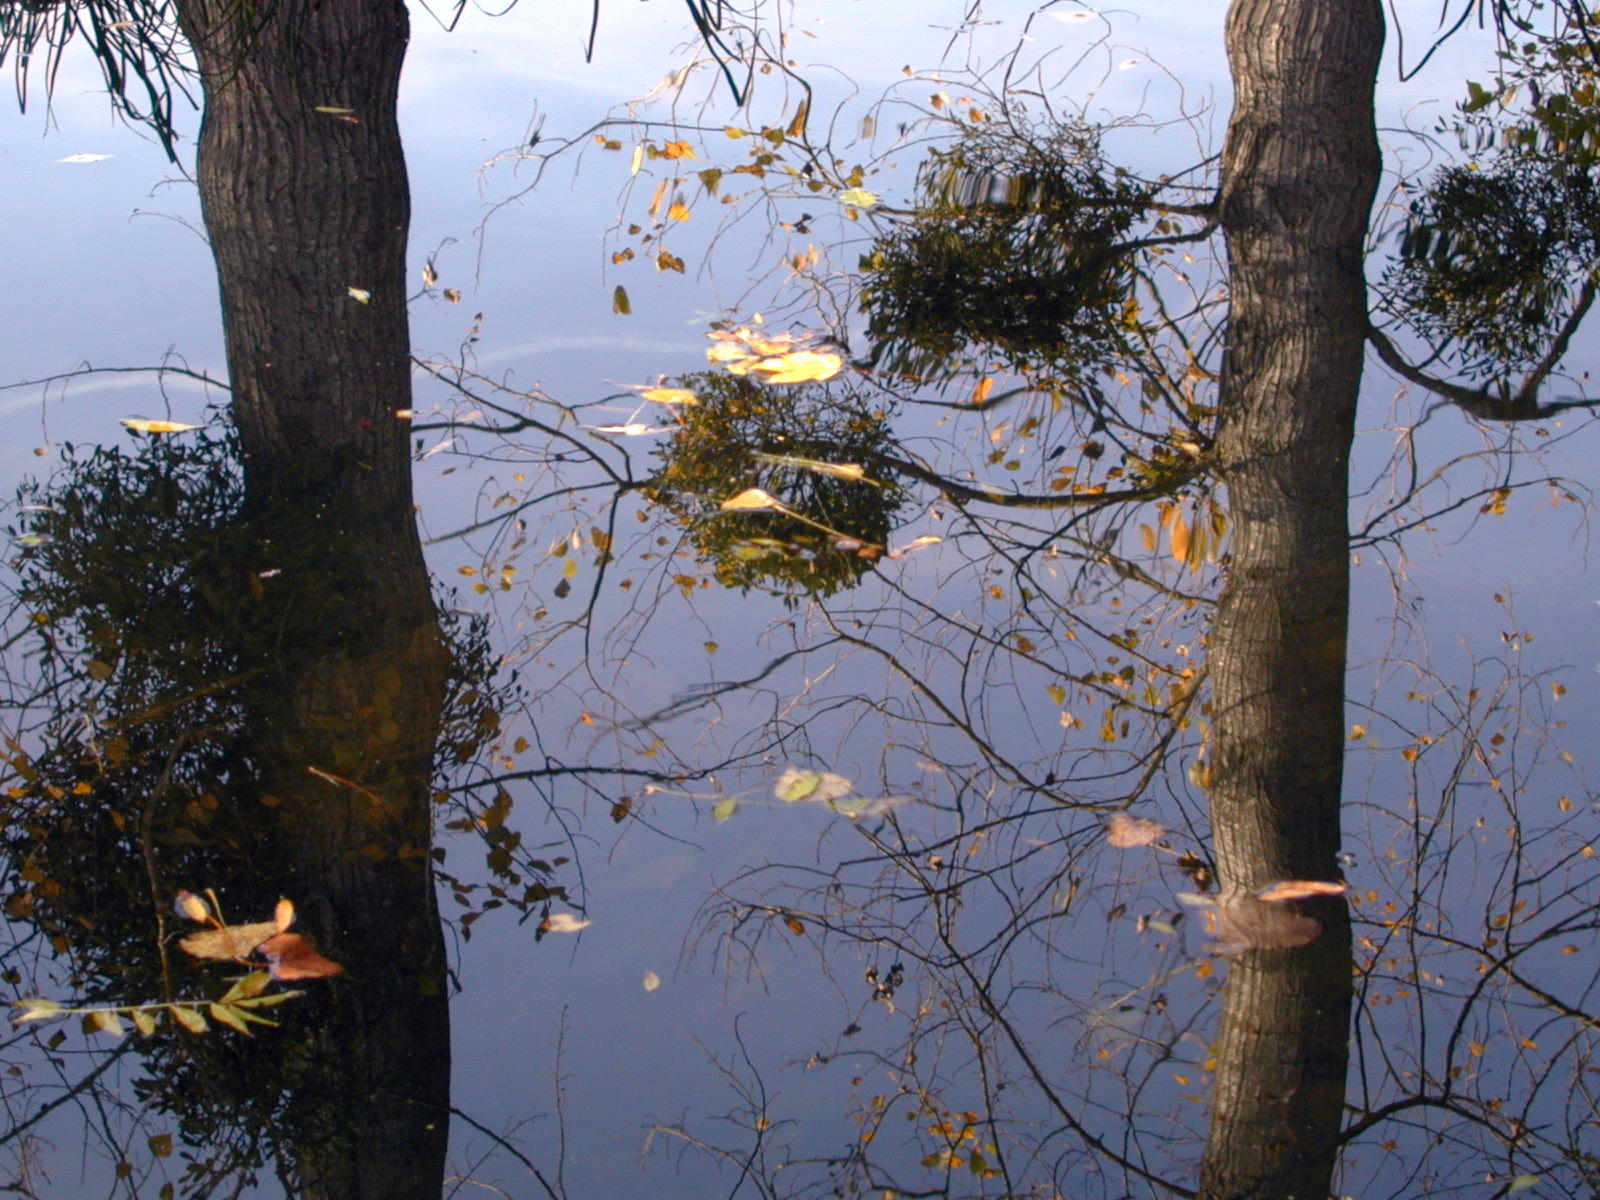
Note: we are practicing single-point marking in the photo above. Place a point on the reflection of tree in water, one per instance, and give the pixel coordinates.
(741, 434)
(173, 638)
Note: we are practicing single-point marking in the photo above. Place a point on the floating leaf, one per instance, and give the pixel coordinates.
(103, 1020)
(818, 787)
(283, 913)
(854, 472)
(1126, 832)
(84, 158)
(725, 809)
(229, 942)
(334, 110)
(248, 987)
(651, 981)
(1300, 889)
(143, 1020)
(679, 211)
(142, 425)
(294, 956)
(633, 429)
(361, 294)
(801, 366)
(916, 544)
(668, 395)
(36, 1009)
(858, 809)
(858, 198)
(189, 1019)
(224, 1015)
(187, 904)
(752, 499)
(564, 923)
(620, 303)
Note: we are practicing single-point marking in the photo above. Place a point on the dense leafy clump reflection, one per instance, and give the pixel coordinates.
(804, 446)
(1017, 246)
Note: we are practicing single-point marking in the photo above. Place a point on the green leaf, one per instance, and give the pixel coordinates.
(620, 303)
(1522, 1183)
(725, 809)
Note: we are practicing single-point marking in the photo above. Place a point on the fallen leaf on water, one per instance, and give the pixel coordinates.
(801, 366)
(84, 158)
(283, 914)
(231, 941)
(666, 395)
(858, 198)
(915, 544)
(633, 429)
(752, 499)
(1241, 922)
(294, 956)
(564, 923)
(143, 425)
(651, 981)
(360, 294)
(334, 110)
(817, 787)
(1300, 889)
(1126, 832)
(857, 808)
(187, 904)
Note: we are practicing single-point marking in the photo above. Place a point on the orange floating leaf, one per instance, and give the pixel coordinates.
(293, 956)
(1300, 889)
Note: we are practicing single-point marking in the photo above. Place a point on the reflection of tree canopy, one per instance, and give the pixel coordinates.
(743, 435)
(1016, 246)
(162, 619)
(1492, 255)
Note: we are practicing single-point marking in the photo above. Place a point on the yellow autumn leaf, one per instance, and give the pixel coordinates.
(751, 499)
(677, 150)
(678, 212)
(1180, 540)
(802, 366)
(858, 198)
(141, 425)
(667, 395)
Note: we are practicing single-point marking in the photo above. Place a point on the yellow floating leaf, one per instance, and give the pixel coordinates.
(858, 198)
(752, 499)
(802, 366)
(666, 395)
(189, 1019)
(361, 294)
(651, 981)
(142, 425)
(143, 1020)
(677, 150)
(678, 212)
(103, 1020)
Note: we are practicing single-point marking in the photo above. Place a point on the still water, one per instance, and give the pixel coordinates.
(854, 922)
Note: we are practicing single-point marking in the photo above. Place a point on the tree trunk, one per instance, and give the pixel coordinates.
(1300, 169)
(304, 193)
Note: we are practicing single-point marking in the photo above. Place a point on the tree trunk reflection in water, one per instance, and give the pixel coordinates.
(305, 198)
(1300, 169)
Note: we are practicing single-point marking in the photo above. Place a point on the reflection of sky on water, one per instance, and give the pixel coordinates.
(94, 285)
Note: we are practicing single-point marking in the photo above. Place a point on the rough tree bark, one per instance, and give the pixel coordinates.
(304, 194)
(1300, 169)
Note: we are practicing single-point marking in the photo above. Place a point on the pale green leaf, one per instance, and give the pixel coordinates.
(725, 808)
